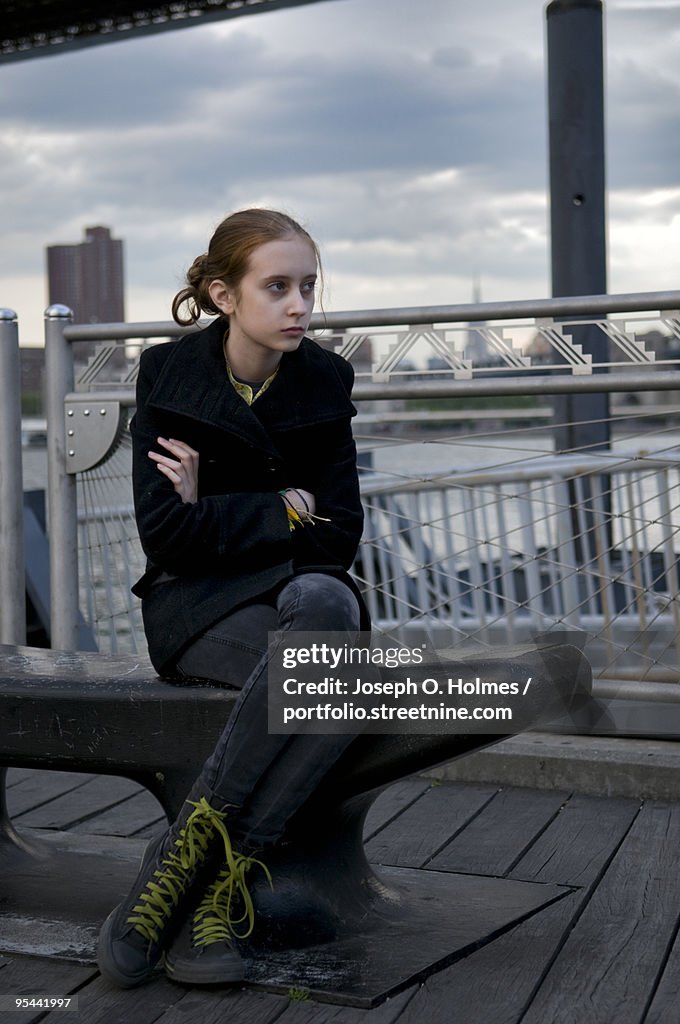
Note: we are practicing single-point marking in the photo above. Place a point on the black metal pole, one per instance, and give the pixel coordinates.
(577, 194)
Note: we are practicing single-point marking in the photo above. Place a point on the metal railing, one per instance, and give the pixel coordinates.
(492, 556)
(570, 543)
(388, 377)
(581, 540)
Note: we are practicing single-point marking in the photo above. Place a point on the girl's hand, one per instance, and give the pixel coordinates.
(302, 501)
(182, 470)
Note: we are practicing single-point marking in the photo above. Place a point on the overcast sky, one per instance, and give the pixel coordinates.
(409, 137)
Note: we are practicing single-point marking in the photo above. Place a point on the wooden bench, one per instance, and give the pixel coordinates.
(88, 712)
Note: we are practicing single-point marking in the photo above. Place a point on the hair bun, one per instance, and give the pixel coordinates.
(198, 270)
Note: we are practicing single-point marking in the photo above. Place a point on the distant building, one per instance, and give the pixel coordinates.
(476, 345)
(32, 362)
(88, 277)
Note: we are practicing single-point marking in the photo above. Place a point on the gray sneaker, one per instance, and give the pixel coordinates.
(133, 937)
(204, 951)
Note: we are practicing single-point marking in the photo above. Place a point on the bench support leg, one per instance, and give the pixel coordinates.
(10, 840)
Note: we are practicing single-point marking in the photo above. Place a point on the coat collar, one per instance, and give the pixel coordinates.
(307, 390)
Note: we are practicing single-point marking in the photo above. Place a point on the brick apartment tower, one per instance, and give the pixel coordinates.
(88, 277)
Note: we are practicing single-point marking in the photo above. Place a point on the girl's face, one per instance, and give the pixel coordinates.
(271, 309)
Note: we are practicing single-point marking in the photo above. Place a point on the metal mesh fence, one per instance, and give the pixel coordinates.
(477, 529)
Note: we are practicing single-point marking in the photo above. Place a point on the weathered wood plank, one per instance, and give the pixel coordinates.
(37, 788)
(151, 830)
(99, 1002)
(666, 1002)
(326, 1013)
(392, 802)
(15, 775)
(495, 985)
(25, 976)
(236, 1005)
(62, 813)
(427, 824)
(608, 967)
(577, 845)
(627, 873)
(501, 832)
(124, 818)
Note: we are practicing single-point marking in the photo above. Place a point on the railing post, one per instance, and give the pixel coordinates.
(61, 486)
(12, 579)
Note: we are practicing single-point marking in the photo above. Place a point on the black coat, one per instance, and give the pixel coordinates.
(235, 544)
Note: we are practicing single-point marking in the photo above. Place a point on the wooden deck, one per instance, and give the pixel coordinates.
(607, 952)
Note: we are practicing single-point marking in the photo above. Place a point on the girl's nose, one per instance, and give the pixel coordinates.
(298, 305)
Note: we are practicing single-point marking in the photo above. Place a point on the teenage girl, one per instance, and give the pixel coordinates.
(248, 509)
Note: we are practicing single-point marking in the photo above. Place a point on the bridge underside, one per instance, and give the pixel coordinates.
(33, 29)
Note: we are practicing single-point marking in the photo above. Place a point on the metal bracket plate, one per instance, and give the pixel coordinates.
(93, 428)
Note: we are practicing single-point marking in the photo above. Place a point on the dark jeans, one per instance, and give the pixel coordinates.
(265, 778)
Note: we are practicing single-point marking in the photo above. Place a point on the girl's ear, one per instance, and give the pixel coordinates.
(221, 296)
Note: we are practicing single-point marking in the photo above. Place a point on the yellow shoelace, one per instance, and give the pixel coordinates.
(213, 920)
(160, 897)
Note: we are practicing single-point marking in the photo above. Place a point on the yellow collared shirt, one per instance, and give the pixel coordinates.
(247, 392)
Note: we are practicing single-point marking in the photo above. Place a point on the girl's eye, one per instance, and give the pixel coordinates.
(277, 286)
(308, 286)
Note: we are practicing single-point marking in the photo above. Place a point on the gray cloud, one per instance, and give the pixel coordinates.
(412, 138)
(126, 84)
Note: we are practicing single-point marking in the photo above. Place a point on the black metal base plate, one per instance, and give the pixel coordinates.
(442, 917)
(53, 906)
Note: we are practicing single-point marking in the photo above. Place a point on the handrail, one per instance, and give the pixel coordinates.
(539, 468)
(577, 306)
(61, 333)
(650, 380)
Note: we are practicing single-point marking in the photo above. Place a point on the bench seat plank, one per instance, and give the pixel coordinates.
(107, 714)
